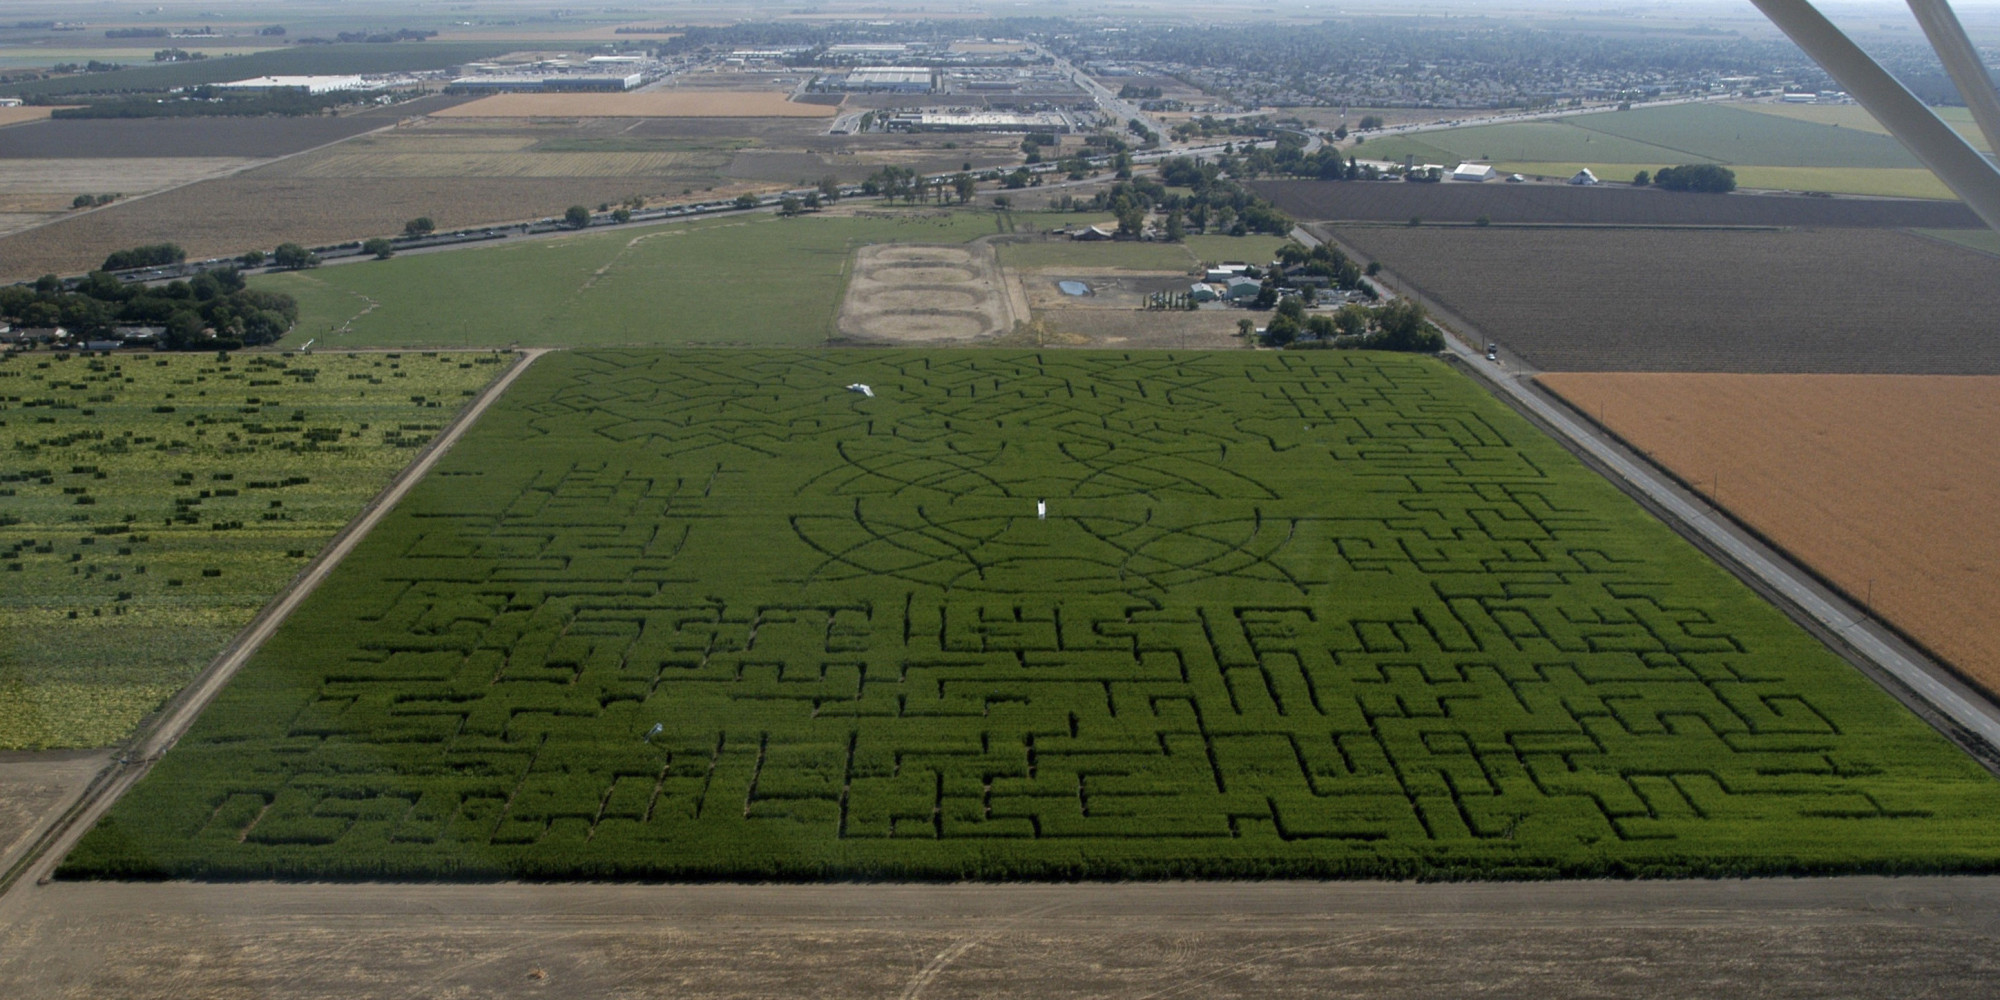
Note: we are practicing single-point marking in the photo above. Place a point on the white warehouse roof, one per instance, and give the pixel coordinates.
(309, 84)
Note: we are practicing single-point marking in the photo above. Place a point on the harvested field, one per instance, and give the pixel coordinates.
(1885, 485)
(704, 614)
(251, 209)
(1689, 300)
(1068, 326)
(914, 292)
(34, 788)
(135, 138)
(1605, 205)
(35, 191)
(1872, 182)
(651, 104)
(1773, 939)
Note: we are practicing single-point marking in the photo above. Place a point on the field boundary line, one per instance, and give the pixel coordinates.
(166, 728)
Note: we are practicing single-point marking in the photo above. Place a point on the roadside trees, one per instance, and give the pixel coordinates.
(577, 216)
(380, 247)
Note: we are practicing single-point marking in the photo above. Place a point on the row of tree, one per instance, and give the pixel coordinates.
(213, 310)
(1401, 325)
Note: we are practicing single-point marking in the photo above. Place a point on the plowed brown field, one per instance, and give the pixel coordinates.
(659, 104)
(1885, 484)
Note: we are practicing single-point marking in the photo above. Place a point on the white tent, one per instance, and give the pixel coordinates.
(1583, 176)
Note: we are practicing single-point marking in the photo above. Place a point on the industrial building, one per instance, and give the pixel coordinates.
(1475, 172)
(308, 84)
(546, 82)
(887, 80)
(976, 121)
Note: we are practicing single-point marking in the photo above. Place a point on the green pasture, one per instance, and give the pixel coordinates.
(1769, 147)
(150, 505)
(1884, 182)
(745, 280)
(711, 614)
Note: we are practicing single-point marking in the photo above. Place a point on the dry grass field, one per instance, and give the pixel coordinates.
(1885, 485)
(654, 104)
(1855, 300)
(23, 113)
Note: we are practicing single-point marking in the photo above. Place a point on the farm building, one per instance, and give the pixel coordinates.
(1223, 272)
(1091, 233)
(1583, 176)
(1244, 289)
(1475, 172)
(1202, 291)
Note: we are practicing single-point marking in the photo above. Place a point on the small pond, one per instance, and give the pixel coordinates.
(1073, 287)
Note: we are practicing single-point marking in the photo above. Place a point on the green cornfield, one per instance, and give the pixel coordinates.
(1073, 615)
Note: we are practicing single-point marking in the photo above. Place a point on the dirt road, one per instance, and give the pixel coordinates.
(1861, 937)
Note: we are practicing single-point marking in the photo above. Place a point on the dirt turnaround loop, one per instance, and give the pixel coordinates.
(914, 293)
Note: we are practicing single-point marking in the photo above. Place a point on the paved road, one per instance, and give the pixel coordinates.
(41, 859)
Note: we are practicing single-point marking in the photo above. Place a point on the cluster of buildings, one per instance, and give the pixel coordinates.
(967, 120)
(596, 74)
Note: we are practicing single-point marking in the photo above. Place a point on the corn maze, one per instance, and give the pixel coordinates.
(713, 615)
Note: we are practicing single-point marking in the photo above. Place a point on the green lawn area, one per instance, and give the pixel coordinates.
(747, 280)
(755, 280)
(150, 505)
(698, 614)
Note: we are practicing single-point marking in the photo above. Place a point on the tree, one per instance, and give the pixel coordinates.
(1281, 331)
(1370, 122)
(251, 258)
(1415, 221)
(576, 216)
(1483, 221)
(621, 215)
(829, 188)
(293, 257)
(746, 201)
(1706, 178)
(1245, 329)
(1002, 203)
(964, 186)
(812, 201)
(1131, 221)
(150, 255)
(380, 247)
(419, 226)
(789, 205)
(1176, 229)
(1018, 179)
(1641, 179)
(1122, 163)
(1374, 268)
(1294, 308)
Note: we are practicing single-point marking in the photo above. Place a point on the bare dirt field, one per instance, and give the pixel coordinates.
(1610, 204)
(1885, 485)
(652, 104)
(1857, 301)
(1858, 937)
(917, 293)
(35, 788)
(1087, 327)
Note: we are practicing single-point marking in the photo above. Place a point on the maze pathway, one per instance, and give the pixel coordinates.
(1313, 613)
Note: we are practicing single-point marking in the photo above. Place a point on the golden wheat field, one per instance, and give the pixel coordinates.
(1884, 484)
(658, 104)
(23, 113)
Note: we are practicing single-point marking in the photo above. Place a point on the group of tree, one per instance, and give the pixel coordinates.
(1401, 325)
(150, 255)
(1216, 203)
(914, 188)
(212, 310)
(1323, 261)
(1706, 178)
(93, 200)
(1134, 92)
(209, 102)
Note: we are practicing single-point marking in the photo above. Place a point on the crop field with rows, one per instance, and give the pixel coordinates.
(150, 505)
(688, 614)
